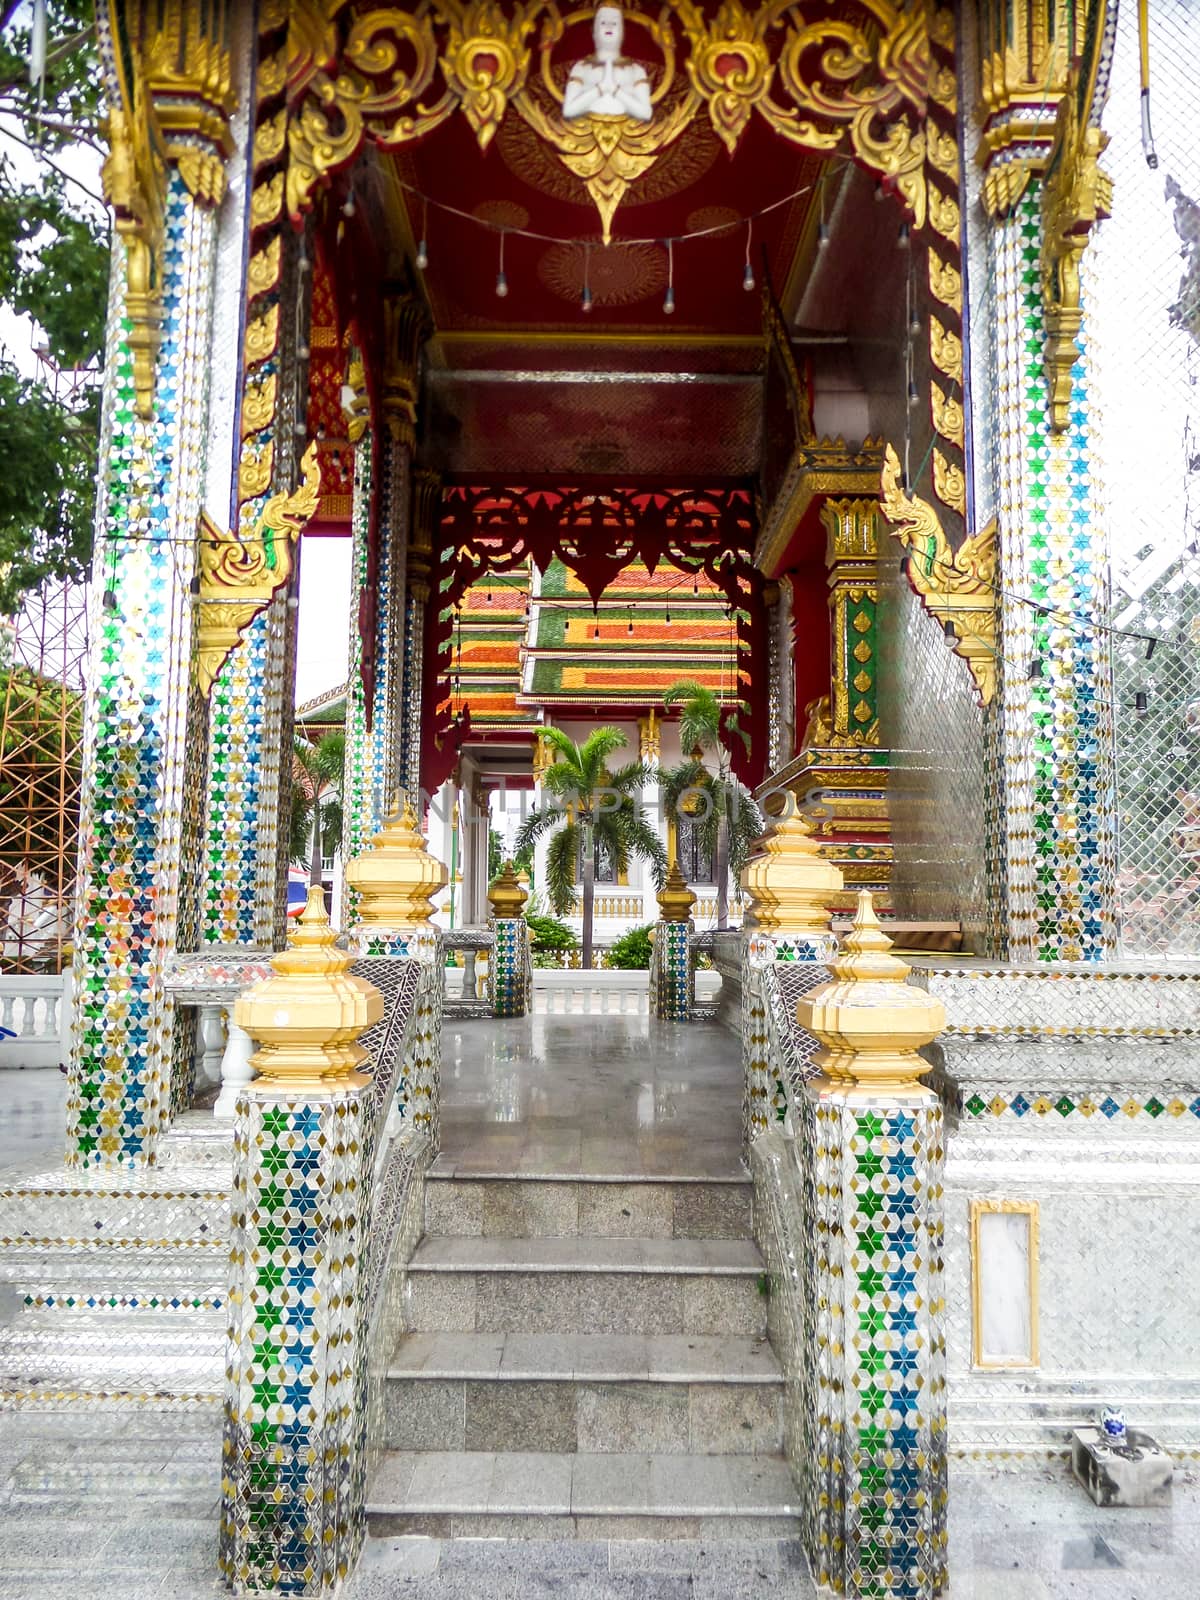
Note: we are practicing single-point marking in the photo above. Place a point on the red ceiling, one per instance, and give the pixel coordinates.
(520, 183)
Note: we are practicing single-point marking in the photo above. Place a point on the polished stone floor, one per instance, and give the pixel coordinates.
(593, 1096)
(33, 1117)
(127, 1504)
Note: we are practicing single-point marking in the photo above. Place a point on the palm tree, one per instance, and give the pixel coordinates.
(316, 825)
(722, 810)
(594, 811)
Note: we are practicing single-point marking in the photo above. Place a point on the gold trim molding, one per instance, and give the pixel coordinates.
(956, 586)
(173, 104)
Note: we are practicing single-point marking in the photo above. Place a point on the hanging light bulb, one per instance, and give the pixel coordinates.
(950, 631)
(501, 275)
(585, 299)
(423, 248)
(822, 234)
(422, 256)
(696, 584)
(596, 631)
(669, 298)
(748, 273)
(1035, 669)
(668, 616)
(914, 321)
(902, 237)
(348, 207)
(914, 394)
(1141, 702)
(629, 629)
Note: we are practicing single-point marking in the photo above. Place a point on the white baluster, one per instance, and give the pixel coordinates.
(210, 1043)
(236, 1070)
(28, 1016)
(468, 981)
(53, 1002)
(6, 1012)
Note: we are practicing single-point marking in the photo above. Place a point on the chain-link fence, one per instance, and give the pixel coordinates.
(1144, 316)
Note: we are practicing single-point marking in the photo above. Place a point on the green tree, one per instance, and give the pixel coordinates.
(595, 811)
(317, 818)
(722, 810)
(54, 259)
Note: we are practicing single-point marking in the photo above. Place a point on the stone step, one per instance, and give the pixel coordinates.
(520, 1208)
(584, 1393)
(587, 1285)
(561, 1495)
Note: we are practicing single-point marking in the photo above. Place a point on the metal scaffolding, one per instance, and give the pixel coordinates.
(43, 654)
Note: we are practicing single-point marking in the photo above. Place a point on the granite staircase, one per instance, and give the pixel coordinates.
(587, 1357)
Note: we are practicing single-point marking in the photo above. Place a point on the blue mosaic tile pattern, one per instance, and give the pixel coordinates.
(671, 975)
(509, 976)
(874, 1388)
(1054, 721)
(130, 827)
(294, 1458)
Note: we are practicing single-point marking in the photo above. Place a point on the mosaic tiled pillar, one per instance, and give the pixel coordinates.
(1051, 799)
(426, 491)
(131, 823)
(873, 1486)
(362, 798)
(671, 989)
(419, 1094)
(252, 700)
(510, 978)
(295, 1445)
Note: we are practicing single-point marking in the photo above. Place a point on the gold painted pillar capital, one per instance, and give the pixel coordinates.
(427, 492)
(308, 1016)
(406, 326)
(869, 1022)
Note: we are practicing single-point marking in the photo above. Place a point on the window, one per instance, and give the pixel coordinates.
(695, 862)
(606, 872)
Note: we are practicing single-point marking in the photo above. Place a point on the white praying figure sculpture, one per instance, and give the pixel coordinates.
(605, 82)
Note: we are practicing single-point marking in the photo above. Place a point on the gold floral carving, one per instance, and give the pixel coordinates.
(254, 474)
(486, 61)
(1076, 194)
(949, 484)
(262, 336)
(955, 586)
(270, 137)
(239, 574)
(945, 349)
(945, 282)
(266, 202)
(258, 404)
(204, 174)
(861, 81)
(947, 416)
(944, 216)
(263, 272)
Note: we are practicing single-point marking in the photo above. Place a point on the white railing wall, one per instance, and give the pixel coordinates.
(604, 991)
(35, 1020)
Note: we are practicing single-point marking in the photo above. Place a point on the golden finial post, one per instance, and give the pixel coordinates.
(788, 884)
(869, 1021)
(396, 877)
(675, 899)
(506, 896)
(308, 1016)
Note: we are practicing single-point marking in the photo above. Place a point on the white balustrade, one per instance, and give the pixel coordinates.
(603, 992)
(35, 1020)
